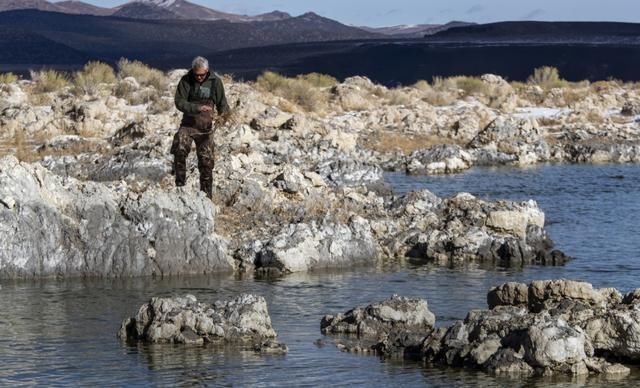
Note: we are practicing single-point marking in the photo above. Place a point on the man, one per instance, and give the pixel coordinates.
(196, 95)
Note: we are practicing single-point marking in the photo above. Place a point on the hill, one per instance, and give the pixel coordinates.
(168, 41)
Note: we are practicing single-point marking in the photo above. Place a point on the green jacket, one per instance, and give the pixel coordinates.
(190, 95)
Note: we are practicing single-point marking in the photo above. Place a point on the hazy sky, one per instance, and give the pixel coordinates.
(386, 13)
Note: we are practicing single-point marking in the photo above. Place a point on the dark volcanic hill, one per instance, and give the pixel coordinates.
(544, 32)
(169, 42)
(21, 47)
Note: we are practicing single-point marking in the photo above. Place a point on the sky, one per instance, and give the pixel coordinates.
(396, 12)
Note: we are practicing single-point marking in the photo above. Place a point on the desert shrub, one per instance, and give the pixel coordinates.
(299, 90)
(471, 85)
(397, 97)
(547, 77)
(304, 95)
(145, 75)
(318, 80)
(439, 98)
(160, 105)
(8, 78)
(422, 85)
(391, 141)
(46, 81)
(92, 75)
(124, 89)
(271, 82)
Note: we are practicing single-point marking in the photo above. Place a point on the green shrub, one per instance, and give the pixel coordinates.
(8, 78)
(48, 81)
(92, 75)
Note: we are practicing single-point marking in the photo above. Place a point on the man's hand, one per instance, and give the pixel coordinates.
(205, 108)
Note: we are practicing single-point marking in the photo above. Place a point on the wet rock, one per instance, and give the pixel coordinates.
(394, 314)
(508, 294)
(463, 228)
(242, 321)
(302, 247)
(552, 327)
(553, 344)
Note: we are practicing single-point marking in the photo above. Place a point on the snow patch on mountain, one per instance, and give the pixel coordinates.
(159, 3)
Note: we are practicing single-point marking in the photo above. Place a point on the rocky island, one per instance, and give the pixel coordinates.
(543, 328)
(86, 189)
(299, 173)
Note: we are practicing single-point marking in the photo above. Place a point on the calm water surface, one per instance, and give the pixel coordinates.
(63, 332)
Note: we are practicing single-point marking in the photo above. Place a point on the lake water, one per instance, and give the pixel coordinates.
(63, 332)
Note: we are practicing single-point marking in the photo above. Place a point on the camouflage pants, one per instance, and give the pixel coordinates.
(180, 149)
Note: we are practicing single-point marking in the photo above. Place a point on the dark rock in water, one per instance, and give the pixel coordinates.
(544, 328)
(243, 321)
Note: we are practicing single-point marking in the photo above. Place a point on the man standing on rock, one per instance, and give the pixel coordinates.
(197, 94)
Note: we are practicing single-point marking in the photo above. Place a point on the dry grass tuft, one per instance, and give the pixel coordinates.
(47, 81)
(389, 141)
(145, 75)
(92, 75)
(318, 80)
(422, 85)
(437, 98)
(304, 90)
(8, 78)
(547, 77)
(397, 97)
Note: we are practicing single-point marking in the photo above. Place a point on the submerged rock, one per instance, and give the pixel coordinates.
(242, 321)
(545, 328)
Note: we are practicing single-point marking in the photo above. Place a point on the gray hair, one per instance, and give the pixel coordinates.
(200, 63)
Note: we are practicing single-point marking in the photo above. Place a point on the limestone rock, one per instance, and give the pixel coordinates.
(394, 314)
(243, 320)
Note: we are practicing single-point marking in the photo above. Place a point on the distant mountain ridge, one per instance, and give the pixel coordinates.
(416, 31)
(166, 41)
(140, 9)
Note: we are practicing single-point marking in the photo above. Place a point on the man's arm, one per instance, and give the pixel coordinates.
(221, 100)
(182, 99)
